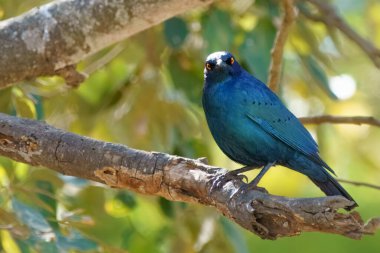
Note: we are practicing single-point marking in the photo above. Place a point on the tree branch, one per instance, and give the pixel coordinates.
(356, 183)
(175, 178)
(357, 120)
(279, 43)
(330, 18)
(59, 34)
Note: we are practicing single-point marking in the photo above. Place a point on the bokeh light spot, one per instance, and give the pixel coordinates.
(343, 86)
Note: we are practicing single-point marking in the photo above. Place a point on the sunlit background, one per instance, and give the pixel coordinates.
(146, 93)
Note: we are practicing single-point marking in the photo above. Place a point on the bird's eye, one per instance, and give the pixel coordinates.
(208, 66)
(230, 61)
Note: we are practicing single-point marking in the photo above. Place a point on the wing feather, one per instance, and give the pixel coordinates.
(274, 118)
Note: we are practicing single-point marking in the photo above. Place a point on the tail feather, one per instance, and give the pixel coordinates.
(331, 187)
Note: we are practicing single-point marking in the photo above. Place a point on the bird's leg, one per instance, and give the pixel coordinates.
(231, 175)
(257, 179)
(236, 173)
(253, 184)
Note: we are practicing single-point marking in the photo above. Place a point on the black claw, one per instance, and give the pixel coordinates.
(224, 178)
(250, 186)
(242, 177)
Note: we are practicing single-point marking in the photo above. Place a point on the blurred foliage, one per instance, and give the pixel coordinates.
(146, 93)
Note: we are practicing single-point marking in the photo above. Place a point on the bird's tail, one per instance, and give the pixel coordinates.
(331, 187)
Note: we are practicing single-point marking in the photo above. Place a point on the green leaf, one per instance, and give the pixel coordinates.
(305, 32)
(8, 166)
(217, 30)
(175, 32)
(74, 241)
(46, 186)
(185, 77)
(7, 218)
(234, 235)
(127, 236)
(33, 219)
(255, 50)
(33, 198)
(8, 244)
(271, 7)
(5, 100)
(127, 198)
(46, 246)
(42, 236)
(39, 106)
(166, 207)
(318, 74)
(30, 216)
(24, 105)
(23, 245)
(115, 74)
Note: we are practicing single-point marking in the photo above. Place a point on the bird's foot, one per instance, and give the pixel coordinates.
(253, 184)
(248, 187)
(224, 178)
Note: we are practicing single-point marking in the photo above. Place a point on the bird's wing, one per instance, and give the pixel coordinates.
(274, 118)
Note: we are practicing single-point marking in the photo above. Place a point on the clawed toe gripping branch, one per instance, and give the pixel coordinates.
(177, 179)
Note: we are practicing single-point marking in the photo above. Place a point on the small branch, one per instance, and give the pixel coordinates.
(99, 63)
(177, 179)
(329, 17)
(377, 187)
(279, 43)
(357, 120)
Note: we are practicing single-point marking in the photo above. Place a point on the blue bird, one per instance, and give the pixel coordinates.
(252, 126)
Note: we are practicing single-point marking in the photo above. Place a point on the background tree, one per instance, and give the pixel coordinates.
(145, 92)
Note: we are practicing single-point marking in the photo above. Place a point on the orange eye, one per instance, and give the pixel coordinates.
(208, 66)
(230, 61)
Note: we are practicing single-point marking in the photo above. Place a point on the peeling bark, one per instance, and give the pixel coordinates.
(177, 179)
(60, 34)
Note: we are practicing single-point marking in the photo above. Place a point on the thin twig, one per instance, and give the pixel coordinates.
(356, 120)
(279, 43)
(98, 64)
(329, 16)
(377, 187)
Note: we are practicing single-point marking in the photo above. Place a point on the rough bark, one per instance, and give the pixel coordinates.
(175, 178)
(49, 39)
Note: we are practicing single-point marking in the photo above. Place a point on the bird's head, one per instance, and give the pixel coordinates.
(220, 66)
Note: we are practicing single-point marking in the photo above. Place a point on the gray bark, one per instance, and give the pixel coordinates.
(177, 179)
(49, 39)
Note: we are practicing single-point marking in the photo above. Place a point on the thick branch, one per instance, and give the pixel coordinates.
(175, 178)
(357, 120)
(330, 18)
(59, 34)
(279, 43)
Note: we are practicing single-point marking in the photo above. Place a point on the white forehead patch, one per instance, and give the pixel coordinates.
(223, 55)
